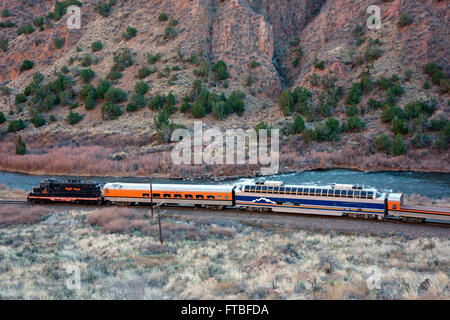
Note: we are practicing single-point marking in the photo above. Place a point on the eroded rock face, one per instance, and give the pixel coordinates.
(238, 31)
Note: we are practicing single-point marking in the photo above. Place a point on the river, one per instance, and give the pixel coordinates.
(431, 185)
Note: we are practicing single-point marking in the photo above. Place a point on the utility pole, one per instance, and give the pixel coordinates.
(160, 231)
(151, 197)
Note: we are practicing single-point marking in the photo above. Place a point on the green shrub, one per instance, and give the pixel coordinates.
(354, 95)
(20, 98)
(5, 13)
(21, 147)
(221, 70)
(59, 42)
(392, 112)
(65, 69)
(87, 75)
(327, 132)
(421, 140)
(152, 59)
(73, 118)
(87, 90)
(138, 101)
(129, 33)
(405, 20)
(219, 110)
(104, 8)
(286, 102)
(236, 103)
(2, 117)
(86, 61)
(144, 72)
(170, 33)
(89, 103)
(114, 75)
(254, 64)
(398, 146)
(26, 65)
(399, 126)
(115, 95)
(38, 121)
(414, 109)
(319, 64)
(16, 125)
(372, 53)
(173, 22)
(382, 143)
(38, 22)
(351, 111)
(4, 44)
(296, 127)
(198, 110)
(123, 60)
(96, 46)
(157, 102)
(433, 70)
(373, 104)
(141, 87)
(185, 107)
(26, 29)
(163, 17)
(110, 111)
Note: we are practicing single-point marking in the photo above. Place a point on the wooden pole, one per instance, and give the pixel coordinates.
(151, 197)
(160, 231)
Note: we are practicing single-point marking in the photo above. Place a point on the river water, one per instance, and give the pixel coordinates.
(432, 185)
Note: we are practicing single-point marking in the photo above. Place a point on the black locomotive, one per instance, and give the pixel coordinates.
(76, 191)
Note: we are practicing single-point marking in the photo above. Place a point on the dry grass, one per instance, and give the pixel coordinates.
(12, 194)
(119, 255)
(17, 215)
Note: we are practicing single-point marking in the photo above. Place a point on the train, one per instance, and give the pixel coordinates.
(350, 200)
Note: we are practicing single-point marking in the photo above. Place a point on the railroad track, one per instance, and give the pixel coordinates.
(3, 202)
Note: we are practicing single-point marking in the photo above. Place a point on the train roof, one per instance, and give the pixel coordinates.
(332, 186)
(169, 187)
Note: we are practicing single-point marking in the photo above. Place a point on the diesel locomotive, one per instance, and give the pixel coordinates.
(271, 196)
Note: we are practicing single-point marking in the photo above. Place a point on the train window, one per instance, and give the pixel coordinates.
(252, 188)
(177, 196)
(357, 194)
(226, 197)
(305, 191)
(279, 203)
(350, 194)
(199, 196)
(166, 195)
(298, 191)
(269, 189)
(296, 204)
(281, 191)
(146, 195)
(219, 197)
(106, 191)
(337, 193)
(363, 194)
(247, 189)
(287, 190)
(394, 207)
(156, 195)
(258, 189)
(276, 189)
(324, 192)
(370, 194)
(264, 189)
(343, 193)
(331, 193)
(188, 196)
(211, 197)
(312, 192)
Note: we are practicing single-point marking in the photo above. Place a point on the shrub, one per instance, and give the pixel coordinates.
(115, 95)
(2, 117)
(87, 90)
(198, 110)
(4, 44)
(372, 53)
(185, 107)
(392, 112)
(299, 124)
(399, 126)
(236, 103)
(421, 140)
(398, 146)
(354, 95)
(286, 102)
(114, 75)
(382, 143)
(319, 64)
(110, 111)
(328, 131)
(5, 13)
(144, 72)
(354, 124)
(65, 69)
(138, 101)
(152, 59)
(86, 61)
(73, 118)
(20, 98)
(123, 60)
(129, 33)
(87, 75)
(26, 29)
(89, 103)
(16, 125)
(405, 20)
(433, 70)
(38, 22)
(27, 65)
(170, 33)
(59, 42)
(96, 46)
(141, 87)
(219, 110)
(21, 147)
(173, 22)
(163, 17)
(351, 111)
(104, 8)
(254, 64)
(374, 104)
(221, 70)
